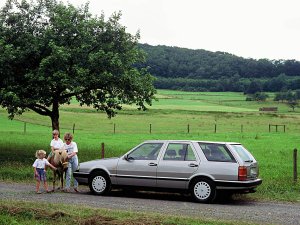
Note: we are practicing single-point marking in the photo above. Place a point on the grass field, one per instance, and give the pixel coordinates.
(40, 213)
(176, 115)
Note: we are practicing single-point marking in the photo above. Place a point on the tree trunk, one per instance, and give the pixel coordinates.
(55, 123)
(55, 116)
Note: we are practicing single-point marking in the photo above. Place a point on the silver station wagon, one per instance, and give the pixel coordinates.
(202, 168)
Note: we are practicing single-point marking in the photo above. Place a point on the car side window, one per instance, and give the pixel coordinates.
(216, 152)
(180, 152)
(147, 151)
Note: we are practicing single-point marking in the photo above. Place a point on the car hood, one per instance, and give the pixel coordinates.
(106, 164)
(100, 161)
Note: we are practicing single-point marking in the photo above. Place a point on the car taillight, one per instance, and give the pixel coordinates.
(242, 173)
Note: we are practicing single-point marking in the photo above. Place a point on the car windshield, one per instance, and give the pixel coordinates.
(147, 151)
(243, 153)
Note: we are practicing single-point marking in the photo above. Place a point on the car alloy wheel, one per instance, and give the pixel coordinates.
(203, 190)
(99, 183)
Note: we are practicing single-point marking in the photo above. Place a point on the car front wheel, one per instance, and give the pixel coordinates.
(99, 183)
(203, 190)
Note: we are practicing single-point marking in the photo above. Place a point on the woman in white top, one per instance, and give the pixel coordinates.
(72, 150)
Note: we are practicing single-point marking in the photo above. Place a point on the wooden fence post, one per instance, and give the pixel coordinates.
(269, 128)
(24, 127)
(242, 128)
(215, 128)
(188, 128)
(150, 127)
(73, 128)
(102, 150)
(295, 165)
(114, 128)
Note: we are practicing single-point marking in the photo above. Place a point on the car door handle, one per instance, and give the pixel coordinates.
(193, 165)
(152, 164)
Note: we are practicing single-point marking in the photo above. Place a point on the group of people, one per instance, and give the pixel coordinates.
(41, 162)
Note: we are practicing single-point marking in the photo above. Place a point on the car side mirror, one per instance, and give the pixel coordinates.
(128, 158)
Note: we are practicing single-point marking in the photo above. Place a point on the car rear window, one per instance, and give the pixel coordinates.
(243, 153)
(216, 152)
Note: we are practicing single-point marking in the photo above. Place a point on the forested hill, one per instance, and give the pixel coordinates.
(201, 70)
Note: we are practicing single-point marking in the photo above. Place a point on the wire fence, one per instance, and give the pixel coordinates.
(150, 128)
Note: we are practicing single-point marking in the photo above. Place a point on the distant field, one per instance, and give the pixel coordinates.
(176, 115)
(172, 113)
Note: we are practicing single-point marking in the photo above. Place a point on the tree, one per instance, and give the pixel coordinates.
(51, 53)
(260, 96)
(291, 99)
(292, 104)
(280, 96)
(254, 86)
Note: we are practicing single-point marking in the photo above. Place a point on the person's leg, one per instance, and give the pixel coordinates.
(74, 168)
(68, 175)
(37, 186)
(44, 179)
(38, 181)
(46, 186)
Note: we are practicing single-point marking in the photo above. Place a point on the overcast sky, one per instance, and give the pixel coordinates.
(248, 28)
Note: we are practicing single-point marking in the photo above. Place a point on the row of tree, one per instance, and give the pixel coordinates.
(291, 98)
(234, 83)
(174, 62)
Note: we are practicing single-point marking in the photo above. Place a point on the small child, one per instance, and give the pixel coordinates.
(55, 144)
(39, 170)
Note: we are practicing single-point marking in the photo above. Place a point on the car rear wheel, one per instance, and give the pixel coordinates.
(99, 183)
(203, 190)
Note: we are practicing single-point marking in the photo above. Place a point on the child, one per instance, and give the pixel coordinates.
(39, 170)
(55, 144)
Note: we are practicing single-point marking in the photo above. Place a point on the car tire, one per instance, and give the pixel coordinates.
(203, 190)
(99, 183)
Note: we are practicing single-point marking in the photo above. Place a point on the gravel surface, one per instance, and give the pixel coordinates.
(165, 203)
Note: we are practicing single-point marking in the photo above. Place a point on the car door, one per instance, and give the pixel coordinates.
(138, 167)
(220, 163)
(177, 165)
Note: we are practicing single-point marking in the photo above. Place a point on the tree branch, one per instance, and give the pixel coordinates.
(69, 95)
(40, 109)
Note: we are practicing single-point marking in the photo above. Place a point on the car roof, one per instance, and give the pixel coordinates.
(195, 141)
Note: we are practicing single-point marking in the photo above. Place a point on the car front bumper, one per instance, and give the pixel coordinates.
(82, 178)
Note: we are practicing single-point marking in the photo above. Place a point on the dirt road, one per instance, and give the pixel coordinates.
(166, 203)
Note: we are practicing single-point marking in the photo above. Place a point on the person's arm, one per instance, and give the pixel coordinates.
(72, 154)
(75, 150)
(34, 168)
(49, 164)
(35, 172)
(52, 146)
(53, 167)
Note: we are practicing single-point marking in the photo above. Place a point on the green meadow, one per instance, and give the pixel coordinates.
(215, 116)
